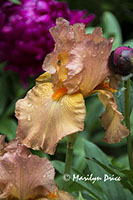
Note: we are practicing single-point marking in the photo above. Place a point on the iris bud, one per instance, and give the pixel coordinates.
(121, 61)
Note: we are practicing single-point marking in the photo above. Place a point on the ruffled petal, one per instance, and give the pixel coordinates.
(79, 61)
(96, 61)
(43, 122)
(24, 176)
(111, 119)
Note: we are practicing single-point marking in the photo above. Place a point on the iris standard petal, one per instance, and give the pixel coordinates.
(43, 122)
(111, 119)
(96, 61)
(79, 61)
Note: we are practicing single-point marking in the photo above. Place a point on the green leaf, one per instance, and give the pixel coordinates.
(120, 98)
(8, 127)
(129, 43)
(4, 93)
(112, 28)
(92, 104)
(116, 174)
(129, 174)
(16, 2)
(59, 166)
(90, 30)
(99, 166)
(79, 161)
(76, 186)
(80, 197)
(73, 185)
(2, 65)
(39, 153)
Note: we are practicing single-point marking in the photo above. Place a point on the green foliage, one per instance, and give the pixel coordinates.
(97, 165)
(80, 196)
(15, 2)
(119, 96)
(129, 43)
(111, 28)
(11, 89)
(8, 127)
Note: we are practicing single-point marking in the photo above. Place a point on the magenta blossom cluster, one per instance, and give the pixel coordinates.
(24, 32)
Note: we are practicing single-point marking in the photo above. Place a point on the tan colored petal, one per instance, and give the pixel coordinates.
(104, 85)
(2, 144)
(59, 31)
(65, 196)
(43, 122)
(44, 78)
(96, 62)
(111, 119)
(62, 195)
(24, 176)
(79, 61)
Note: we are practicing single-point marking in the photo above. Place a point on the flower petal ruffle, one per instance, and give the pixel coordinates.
(111, 119)
(79, 61)
(43, 122)
(96, 55)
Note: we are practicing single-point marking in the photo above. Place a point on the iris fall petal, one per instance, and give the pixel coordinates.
(111, 119)
(24, 176)
(43, 122)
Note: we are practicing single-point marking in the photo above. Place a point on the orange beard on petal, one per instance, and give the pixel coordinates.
(52, 196)
(59, 93)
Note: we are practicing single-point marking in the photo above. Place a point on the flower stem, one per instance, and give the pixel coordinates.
(69, 155)
(127, 120)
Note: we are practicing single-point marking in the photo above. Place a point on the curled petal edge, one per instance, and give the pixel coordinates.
(111, 119)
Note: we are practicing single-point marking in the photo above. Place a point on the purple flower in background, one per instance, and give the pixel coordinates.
(24, 32)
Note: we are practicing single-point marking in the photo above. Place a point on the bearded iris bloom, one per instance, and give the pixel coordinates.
(25, 176)
(55, 107)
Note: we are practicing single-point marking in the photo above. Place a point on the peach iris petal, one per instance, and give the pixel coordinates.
(44, 78)
(43, 122)
(85, 56)
(111, 119)
(2, 144)
(24, 176)
(104, 85)
(96, 62)
(62, 195)
(65, 195)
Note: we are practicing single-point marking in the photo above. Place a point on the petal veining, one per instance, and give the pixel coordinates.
(43, 122)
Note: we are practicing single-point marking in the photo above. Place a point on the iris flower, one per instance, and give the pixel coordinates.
(55, 107)
(25, 176)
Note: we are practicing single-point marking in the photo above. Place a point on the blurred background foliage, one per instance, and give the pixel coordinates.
(123, 11)
(91, 154)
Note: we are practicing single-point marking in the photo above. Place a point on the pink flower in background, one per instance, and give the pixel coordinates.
(24, 32)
